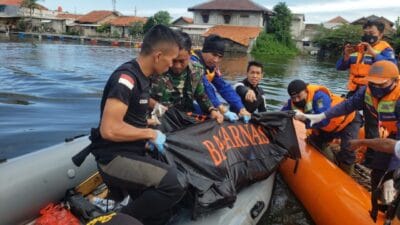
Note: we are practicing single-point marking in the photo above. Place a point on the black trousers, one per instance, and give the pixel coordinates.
(152, 185)
(350, 132)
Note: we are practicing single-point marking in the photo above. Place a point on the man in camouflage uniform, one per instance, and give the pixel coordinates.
(182, 84)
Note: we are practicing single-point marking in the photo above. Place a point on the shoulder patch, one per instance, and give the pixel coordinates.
(127, 81)
(320, 103)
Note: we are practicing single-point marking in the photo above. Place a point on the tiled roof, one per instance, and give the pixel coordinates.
(11, 2)
(184, 19)
(19, 2)
(372, 17)
(187, 19)
(338, 19)
(95, 16)
(231, 5)
(124, 21)
(238, 34)
(68, 16)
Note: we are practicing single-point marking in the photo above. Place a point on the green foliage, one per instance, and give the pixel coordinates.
(161, 17)
(396, 37)
(30, 4)
(268, 45)
(115, 34)
(104, 28)
(21, 25)
(136, 29)
(278, 39)
(280, 23)
(333, 40)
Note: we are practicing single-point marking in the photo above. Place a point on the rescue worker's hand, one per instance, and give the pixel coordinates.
(245, 115)
(300, 115)
(158, 141)
(389, 192)
(231, 116)
(250, 96)
(159, 110)
(347, 51)
(368, 49)
(217, 116)
(315, 118)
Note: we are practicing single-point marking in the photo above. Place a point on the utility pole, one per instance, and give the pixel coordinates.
(135, 10)
(114, 2)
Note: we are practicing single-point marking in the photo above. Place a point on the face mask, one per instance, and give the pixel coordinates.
(379, 92)
(371, 39)
(300, 104)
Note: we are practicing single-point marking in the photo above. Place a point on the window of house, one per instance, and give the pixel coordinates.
(306, 43)
(227, 19)
(205, 17)
(2, 8)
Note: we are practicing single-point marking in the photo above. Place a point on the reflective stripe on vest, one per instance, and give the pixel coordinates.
(359, 70)
(384, 109)
(335, 124)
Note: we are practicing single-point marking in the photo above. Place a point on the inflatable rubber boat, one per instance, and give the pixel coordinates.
(329, 195)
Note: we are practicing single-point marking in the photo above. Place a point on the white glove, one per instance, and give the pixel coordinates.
(315, 118)
(389, 192)
(159, 110)
(299, 115)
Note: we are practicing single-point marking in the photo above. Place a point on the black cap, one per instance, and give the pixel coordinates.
(296, 86)
(214, 44)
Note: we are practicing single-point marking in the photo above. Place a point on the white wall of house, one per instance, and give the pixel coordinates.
(255, 19)
(297, 27)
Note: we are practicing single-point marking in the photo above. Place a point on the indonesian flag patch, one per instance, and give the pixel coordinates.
(127, 81)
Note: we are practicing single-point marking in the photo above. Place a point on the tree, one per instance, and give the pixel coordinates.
(396, 36)
(104, 28)
(31, 5)
(280, 23)
(332, 40)
(161, 17)
(277, 41)
(136, 29)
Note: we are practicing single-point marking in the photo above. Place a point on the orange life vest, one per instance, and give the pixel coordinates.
(359, 70)
(384, 110)
(335, 124)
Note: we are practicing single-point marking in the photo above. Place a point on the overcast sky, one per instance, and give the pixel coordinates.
(315, 11)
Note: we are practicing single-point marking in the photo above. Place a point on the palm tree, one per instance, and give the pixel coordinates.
(31, 5)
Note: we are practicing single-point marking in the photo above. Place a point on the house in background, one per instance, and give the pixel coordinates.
(238, 21)
(310, 31)
(239, 38)
(388, 24)
(335, 22)
(12, 11)
(230, 12)
(120, 25)
(297, 28)
(9, 14)
(87, 24)
(182, 21)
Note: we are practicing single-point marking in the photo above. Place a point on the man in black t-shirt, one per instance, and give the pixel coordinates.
(119, 142)
(248, 89)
